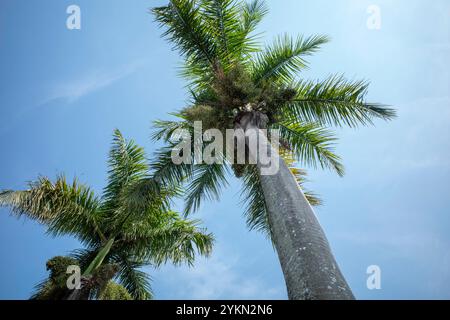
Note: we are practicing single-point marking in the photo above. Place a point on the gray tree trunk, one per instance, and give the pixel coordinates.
(309, 268)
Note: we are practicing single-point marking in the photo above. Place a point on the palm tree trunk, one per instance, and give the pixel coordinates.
(309, 268)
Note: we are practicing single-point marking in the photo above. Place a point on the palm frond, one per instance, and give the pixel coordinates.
(206, 182)
(165, 171)
(185, 28)
(20, 204)
(127, 164)
(162, 237)
(178, 240)
(254, 200)
(135, 281)
(252, 13)
(281, 61)
(337, 102)
(311, 144)
(222, 20)
(300, 175)
(67, 209)
(165, 129)
(85, 256)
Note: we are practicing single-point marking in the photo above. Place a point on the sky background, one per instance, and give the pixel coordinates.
(62, 92)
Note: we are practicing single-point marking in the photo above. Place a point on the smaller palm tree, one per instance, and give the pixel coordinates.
(129, 227)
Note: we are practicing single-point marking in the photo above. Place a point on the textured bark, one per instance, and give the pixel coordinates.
(309, 268)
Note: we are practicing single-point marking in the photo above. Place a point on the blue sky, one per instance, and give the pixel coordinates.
(62, 92)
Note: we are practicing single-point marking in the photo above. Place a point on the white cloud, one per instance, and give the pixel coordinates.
(83, 85)
(75, 88)
(217, 277)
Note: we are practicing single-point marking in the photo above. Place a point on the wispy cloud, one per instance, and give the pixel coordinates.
(90, 82)
(70, 90)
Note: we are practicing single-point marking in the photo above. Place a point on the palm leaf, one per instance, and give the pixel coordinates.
(67, 209)
(135, 281)
(335, 101)
(187, 31)
(282, 60)
(222, 20)
(207, 182)
(165, 237)
(252, 14)
(311, 145)
(127, 164)
(254, 200)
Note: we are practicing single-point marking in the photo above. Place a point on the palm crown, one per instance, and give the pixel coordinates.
(128, 227)
(230, 74)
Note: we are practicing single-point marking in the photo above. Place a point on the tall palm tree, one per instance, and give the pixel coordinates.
(234, 83)
(129, 227)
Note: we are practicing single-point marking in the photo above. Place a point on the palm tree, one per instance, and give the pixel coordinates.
(234, 83)
(127, 228)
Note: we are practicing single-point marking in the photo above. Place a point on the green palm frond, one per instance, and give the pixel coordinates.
(98, 260)
(180, 240)
(300, 175)
(206, 183)
(252, 13)
(148, 196)
(20, 204)
(67, 209)
(164, 130)
(335, 102)
(127, 164)
(222, 20)
(165, 171)
(281, 61)
(85, 256)
(254, 200)
(134, 280)
(163, 167)
(311, 145)
(165, 238)
(187, 31)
